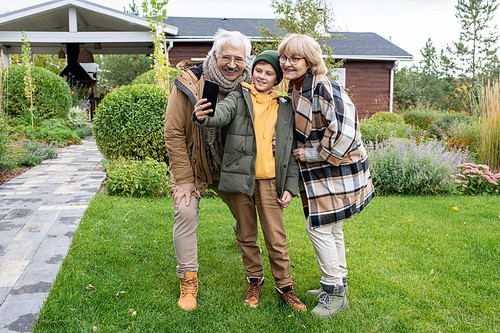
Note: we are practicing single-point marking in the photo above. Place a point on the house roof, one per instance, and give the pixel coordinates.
(50, 24)
(351, 45)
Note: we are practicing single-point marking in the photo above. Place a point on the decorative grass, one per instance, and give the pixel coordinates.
(489, 151)
(416, 264)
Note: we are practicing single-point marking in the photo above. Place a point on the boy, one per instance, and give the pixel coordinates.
(259, 171)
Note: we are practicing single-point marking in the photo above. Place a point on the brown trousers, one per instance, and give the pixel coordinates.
(265, 199)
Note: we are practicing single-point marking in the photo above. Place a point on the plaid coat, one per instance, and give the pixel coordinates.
(339, 186)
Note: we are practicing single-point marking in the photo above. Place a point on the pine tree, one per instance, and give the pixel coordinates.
(476, 46)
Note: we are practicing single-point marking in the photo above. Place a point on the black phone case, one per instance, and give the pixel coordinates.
(210, 92)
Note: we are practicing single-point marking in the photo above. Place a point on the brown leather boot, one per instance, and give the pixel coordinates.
(290, 297)
(189, 291)
(254, 289)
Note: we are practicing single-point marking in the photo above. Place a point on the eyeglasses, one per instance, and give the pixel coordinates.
(227, 59)
(292, 60)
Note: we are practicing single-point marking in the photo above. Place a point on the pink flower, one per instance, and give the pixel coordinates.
(483, 166)
(465, 182)
(458, 181)
(459, 175)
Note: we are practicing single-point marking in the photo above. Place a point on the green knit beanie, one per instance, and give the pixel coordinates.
(272, 58)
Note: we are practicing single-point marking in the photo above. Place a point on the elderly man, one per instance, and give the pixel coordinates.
(195, 156)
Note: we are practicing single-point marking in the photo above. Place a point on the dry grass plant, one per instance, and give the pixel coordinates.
(489, 108)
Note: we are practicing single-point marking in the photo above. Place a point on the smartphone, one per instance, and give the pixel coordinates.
(210, 92)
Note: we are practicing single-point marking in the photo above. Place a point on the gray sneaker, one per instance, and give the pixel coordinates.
(330, 304)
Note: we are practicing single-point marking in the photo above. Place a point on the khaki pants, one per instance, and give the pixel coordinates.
(328, 243)
(186, 222)
(271, 221)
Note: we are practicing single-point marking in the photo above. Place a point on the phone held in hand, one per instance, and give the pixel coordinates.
(210, 92)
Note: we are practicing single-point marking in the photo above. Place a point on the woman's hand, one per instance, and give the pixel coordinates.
(300, 154)
(201, 115)
(285, 199)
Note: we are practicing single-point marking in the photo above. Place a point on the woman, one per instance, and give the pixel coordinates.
(335, 179)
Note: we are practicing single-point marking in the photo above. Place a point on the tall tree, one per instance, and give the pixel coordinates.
(429, 60)
(476, 46)
(312, 17)
(156, 15)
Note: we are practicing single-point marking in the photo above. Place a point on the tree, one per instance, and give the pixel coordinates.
(132, 9)
(476, 46)
(311, 17)
(120, 69)
(157, 14)
(429, 60)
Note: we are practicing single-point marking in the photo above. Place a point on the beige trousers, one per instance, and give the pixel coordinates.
(186, 222)
(264, 201)
(328, 243)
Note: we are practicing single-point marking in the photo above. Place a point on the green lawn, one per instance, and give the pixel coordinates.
(416, 265)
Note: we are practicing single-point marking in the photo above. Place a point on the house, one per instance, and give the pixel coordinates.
(71, 27)
(369, 59)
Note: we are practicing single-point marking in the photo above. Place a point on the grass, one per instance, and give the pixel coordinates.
(416, 265)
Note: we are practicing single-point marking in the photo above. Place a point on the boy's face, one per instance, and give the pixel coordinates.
(264, 77)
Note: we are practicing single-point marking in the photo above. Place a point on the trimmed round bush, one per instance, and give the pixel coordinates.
(387, 117)
(52, 95)
(149, 77)
(129, 122)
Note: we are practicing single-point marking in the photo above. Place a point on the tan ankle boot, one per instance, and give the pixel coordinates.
(189, 291)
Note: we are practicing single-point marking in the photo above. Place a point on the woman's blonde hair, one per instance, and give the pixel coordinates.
(304, 46)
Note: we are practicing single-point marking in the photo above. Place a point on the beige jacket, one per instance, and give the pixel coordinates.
(183, 139)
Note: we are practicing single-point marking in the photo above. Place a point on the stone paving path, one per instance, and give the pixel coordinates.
(39, 213)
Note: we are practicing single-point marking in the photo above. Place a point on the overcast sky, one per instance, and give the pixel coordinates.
(407, 23)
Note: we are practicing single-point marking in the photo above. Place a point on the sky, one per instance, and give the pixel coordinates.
(406, 23)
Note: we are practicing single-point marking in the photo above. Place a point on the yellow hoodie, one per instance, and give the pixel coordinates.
(265, 115)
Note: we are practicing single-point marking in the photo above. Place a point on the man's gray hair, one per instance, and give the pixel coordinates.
(233, 38)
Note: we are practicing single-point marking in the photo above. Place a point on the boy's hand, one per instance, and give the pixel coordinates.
(300, 154)
(201, 115)
(285, 199)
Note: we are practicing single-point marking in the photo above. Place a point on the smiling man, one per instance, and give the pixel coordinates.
(195, 156)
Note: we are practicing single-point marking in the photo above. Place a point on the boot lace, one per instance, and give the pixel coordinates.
(189, 286)
(253, 290)
(324, 298)
(291, 297)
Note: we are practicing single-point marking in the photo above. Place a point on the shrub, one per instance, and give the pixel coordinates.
(129, 122)
(36, 153)
(379, 131)
(52, 132)
(477, 179)
(5, 161)
(442, 127)
(129, 177)
(421, 118)
(466, 136)
(83, 131)
(149, 77)
(403, 166)
(387, 118)
(52, 96)
(77, 117)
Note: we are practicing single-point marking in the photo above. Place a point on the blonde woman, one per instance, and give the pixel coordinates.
(335, 182)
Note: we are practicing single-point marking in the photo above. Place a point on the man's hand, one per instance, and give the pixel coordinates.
(185, 190)
(201, 115)
(300, 154)
(285, 199)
